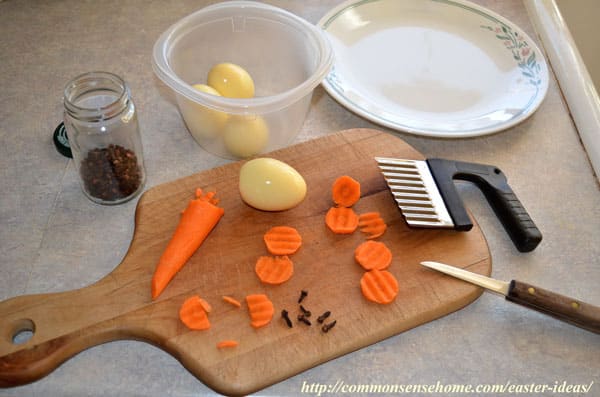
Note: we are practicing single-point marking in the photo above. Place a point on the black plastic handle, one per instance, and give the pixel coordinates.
(492, 182)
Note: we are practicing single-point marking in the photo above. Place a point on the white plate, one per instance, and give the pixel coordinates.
(441, 68)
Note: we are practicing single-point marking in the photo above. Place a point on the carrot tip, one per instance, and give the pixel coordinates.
(196, 222)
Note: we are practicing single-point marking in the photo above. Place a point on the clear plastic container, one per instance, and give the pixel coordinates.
(286, 56)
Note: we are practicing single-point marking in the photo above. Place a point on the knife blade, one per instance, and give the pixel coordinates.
(573, 311)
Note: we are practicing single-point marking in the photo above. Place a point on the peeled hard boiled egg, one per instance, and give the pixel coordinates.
(207, 89)
(231, 80)
(245, 136)
(203, 122)
(271, 185)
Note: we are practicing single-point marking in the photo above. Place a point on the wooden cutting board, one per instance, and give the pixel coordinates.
(119, 305)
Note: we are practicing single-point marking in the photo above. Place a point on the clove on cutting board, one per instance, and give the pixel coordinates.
(286, 317)
(327, 326)
(303, 319)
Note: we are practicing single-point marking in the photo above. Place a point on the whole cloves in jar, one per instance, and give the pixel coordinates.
(101, 123)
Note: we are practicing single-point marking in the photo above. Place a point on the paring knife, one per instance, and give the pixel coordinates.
(427, 197)
(576, 312)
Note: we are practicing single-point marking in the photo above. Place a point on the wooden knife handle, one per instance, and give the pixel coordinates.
(562, 307)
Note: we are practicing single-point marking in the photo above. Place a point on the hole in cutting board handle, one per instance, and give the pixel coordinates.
(23, 331)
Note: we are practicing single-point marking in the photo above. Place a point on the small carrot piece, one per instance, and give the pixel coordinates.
(193, 314)
(341, 220)
(261, 310)
(373, 255)
(207, 307)
(197, 221)
(372, 224)
(227, 343)
(209, 197)
(282, 240)
(274, 269)
(345, 191)
(379, 286)
(232, 301)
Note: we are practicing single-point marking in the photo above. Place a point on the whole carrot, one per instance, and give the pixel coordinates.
(197, 221)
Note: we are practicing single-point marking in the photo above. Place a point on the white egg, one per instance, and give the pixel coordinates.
(271, 185)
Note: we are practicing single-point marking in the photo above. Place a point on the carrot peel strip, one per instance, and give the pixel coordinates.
(373, 255)
(372, 224)
(207, 307)
(345, 191)
(227, 343)
(379, 286)
(232, 301)
(193, 314)
(341, 220)
(274, 269)
(261, 310)
(282, 240)
(195, 224)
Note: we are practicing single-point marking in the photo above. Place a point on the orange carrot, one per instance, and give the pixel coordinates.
(373, 255)
(379, 286)
(282, 240)
(193, 314)
(227, 343)
(274, 269)
(232, 301)
(196, 222)
(207, 307)
(341, 220)
(261, 310)
(372, 224)
(209, 197)
(345, 191)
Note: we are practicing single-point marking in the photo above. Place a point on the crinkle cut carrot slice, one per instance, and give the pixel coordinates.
(261, 310)
(379, 286)
(282, 240)
(373, 255)
(341, 220)
(193, 314)
(372, 224)
(274, 269)
(345, 191)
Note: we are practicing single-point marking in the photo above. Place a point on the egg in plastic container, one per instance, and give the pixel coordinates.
(286, 56)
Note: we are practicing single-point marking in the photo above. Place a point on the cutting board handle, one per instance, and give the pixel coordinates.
(61, 326)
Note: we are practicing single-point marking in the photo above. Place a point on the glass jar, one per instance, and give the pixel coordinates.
(102, 127)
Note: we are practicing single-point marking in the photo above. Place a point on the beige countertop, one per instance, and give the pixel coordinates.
(52, 238)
